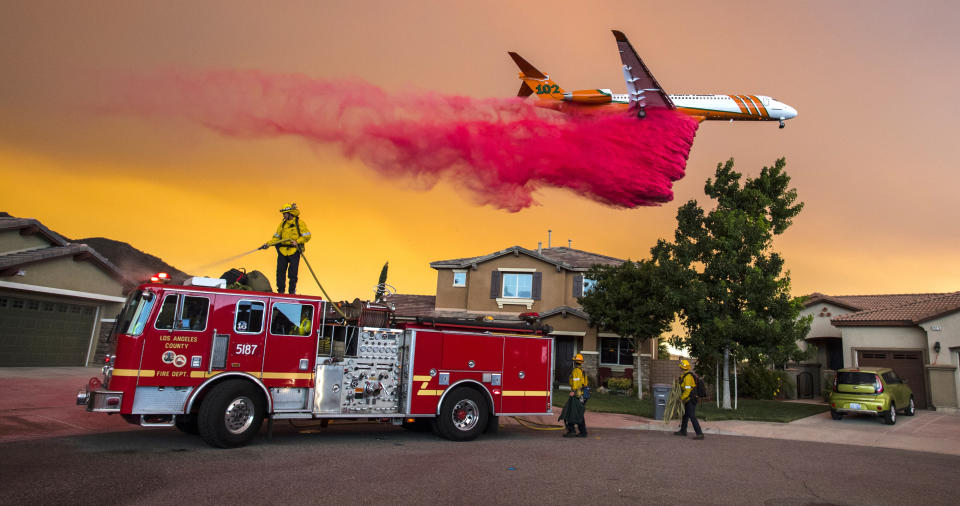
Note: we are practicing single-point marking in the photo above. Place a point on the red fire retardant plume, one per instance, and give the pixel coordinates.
(502, 150)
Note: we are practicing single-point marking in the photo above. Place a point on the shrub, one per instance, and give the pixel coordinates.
(619, 383)
(759, 382)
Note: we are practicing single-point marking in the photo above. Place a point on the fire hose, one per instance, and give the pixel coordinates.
(537, 425)
(334, 304)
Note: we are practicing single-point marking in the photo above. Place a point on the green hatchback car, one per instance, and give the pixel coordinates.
(870, 391)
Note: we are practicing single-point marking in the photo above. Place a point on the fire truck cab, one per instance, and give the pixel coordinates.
(217, 362)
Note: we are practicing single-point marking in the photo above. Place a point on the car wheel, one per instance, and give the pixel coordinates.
(890, 417)
(463, 415)
(231, 415)
(911, 409)
(836, 415)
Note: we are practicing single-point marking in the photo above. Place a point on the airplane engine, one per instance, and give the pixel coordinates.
(588, 96)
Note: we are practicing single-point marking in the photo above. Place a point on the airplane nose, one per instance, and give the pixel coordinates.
(789, 112)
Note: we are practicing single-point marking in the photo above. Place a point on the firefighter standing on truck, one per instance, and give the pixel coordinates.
(289, 239)
(573, 412)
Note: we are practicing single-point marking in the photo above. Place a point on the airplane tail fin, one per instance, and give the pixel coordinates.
(535, 81)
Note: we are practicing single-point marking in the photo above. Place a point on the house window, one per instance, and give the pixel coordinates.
(459, 278)
(582, 285)
(616, 351)
(517, 286)
(588, 285)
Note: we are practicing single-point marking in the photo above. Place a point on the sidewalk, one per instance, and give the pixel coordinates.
(927, 431)
(38, 402)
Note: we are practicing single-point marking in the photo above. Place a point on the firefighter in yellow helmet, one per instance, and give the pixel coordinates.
(289, 239)
(573, 411)
(688, 386)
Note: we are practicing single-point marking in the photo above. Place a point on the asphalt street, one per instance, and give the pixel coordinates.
(375, 463)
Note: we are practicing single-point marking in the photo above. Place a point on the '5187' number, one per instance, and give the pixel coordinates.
(245, 349)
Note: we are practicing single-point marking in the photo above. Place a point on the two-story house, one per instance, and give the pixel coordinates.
(548, 281)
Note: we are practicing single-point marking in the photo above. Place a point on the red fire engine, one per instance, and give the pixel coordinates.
(216, 362)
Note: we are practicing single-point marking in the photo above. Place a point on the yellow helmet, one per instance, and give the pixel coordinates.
(578, 358)
(291, 208)
(685, 364)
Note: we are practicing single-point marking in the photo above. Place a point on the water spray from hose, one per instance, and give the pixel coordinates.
(223, 260)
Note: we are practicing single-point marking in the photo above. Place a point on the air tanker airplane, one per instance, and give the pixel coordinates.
(644, 91)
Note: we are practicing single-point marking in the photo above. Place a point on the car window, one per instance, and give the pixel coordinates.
(855, 378)
(193, 316)
(167, 313)
(289, 319)
(249, 316)
(891, 378)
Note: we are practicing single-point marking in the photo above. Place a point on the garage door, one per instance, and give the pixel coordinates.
(908, 364)
(36, 332)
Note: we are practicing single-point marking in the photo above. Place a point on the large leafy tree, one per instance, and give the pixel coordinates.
(631, 300)
(729, 283)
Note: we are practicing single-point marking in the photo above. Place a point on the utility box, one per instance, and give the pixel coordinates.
(660, 394)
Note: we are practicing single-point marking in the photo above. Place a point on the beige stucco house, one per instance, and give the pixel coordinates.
(918, 335)
(57, 299)
(548, 281)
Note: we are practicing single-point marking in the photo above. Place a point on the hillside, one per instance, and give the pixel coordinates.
(133, 263)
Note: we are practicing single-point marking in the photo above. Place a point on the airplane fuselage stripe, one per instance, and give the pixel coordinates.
(739, 103)
(760, 107)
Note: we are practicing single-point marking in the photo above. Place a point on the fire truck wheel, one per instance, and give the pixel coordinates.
(231, 414)
(187, 424)
(463, 415)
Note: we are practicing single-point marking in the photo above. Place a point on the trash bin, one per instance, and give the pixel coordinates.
(660, 394)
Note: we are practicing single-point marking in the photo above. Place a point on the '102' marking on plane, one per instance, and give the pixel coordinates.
(644, 91)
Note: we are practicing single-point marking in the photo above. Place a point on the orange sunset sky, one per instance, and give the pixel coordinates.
(873, 153)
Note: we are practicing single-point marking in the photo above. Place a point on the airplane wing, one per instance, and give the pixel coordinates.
(642, 88)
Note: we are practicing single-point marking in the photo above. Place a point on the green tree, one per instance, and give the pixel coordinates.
(631, 300)
(733, 293)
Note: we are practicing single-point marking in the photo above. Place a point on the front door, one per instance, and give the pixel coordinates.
(563, 365)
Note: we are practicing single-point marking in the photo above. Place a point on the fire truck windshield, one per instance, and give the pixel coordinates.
(133, 317)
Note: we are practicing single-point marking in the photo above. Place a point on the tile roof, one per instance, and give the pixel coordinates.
(567, 258)
(565, 309)
(913, 312)
(410, 306)
(578, 258)
(32, 225)
(12, 261)
(868, 302)
(60, 247)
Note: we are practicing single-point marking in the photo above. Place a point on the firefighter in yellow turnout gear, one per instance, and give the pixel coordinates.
(688, 385)
(289, 239)
(573, 412)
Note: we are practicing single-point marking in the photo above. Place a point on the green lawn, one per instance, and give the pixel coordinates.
(747, 409)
